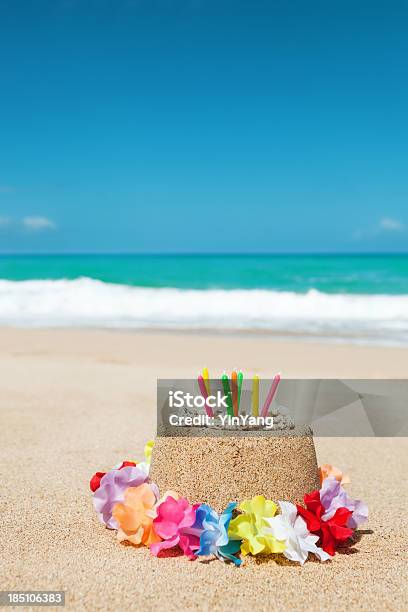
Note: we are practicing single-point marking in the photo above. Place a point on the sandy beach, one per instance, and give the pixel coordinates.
(77, 401)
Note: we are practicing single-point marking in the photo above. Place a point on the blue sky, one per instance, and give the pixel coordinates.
(203, 125)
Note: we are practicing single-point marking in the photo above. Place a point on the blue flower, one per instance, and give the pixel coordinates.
(214, 539)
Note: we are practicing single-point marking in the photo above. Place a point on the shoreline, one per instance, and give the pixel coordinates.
(183, 354)
(372, 319)
(324, 338)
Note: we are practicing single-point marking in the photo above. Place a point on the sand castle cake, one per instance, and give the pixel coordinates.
(207, 483)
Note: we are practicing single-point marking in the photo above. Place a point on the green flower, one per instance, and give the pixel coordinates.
(252, 529)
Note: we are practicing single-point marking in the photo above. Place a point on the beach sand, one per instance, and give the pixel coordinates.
(77, 401)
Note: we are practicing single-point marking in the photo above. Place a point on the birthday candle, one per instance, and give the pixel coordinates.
(206, 376)
(240, 379)
(203, 390)
(234, 386)
(255, 396)
(270, 395)
(227, 392)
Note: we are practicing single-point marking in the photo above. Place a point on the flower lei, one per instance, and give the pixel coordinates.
(126, 500)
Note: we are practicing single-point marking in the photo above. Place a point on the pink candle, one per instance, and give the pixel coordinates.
(203, 390)
(270, 396)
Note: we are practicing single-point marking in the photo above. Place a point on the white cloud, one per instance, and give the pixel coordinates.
(36, 224)
(387, 224)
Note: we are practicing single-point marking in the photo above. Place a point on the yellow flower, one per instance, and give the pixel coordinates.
(135, 516)
(148, 450)
(250, 527)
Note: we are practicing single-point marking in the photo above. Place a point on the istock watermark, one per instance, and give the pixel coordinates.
(328, 407)
(180, 399)
(222, 420)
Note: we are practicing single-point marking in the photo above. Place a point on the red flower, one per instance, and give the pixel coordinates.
(127, 464)
(96, 481)
(331, 531)
(96, 478)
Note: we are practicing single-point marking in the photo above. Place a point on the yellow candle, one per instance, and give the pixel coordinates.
(255, 396)
(206, 376)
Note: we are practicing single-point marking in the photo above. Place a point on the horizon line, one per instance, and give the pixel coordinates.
(199, 253)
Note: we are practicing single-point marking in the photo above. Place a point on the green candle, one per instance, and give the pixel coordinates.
(240, 379)
(227, 392)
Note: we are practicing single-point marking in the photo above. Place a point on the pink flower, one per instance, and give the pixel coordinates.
(176, 522)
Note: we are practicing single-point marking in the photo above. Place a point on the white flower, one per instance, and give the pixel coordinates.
(292, 529)
(145, 467)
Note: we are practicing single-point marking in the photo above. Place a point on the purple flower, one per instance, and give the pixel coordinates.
(112, 490)
(333, 496)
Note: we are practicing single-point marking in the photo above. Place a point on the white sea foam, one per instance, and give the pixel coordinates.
(92, 303)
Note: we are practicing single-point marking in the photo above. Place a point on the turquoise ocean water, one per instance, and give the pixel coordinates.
(358, 298)
(361, 274)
